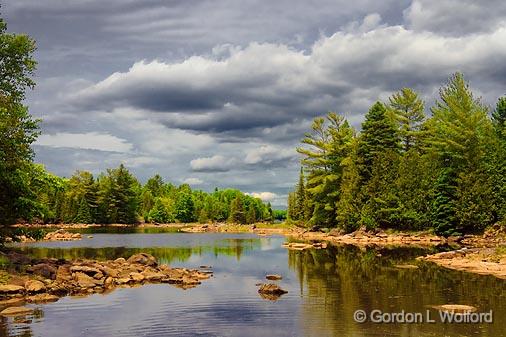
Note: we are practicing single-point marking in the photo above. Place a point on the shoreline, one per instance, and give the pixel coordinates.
(468, 249)
(47, 280)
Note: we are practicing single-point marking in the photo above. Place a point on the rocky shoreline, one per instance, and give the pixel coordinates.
(482, 261)
(46, 280)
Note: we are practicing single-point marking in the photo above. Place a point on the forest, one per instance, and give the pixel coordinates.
(30, 193)
(406, 170)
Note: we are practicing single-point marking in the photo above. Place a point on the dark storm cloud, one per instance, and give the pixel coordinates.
(219, 93)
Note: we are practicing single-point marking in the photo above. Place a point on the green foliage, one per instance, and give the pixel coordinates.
(185, 208)
(18, 129)
(378, 135)
(449, 175)
(237, 214)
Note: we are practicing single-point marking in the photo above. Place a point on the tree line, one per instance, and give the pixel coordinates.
(29, 193)
(406, 170)
(116, 196)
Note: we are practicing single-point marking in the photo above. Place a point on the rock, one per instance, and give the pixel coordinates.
(84, 281)
(152, 275)
(144, 259)
(63, 274)
(108, 282)
(12, 301)
(15, 311)
(43, 269)
(84, 269)
(273, 277)
(11, 289)
(271, 288)
(90, 236)
(107, 271)
(406, 266)
(42, 298)
(17, 258)
(297, 246)
(34, 286)
(98, 276)
(123, 280)
(137, 277)
(456, 308)
(120, 260)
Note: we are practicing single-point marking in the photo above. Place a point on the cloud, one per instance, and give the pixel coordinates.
(216, 163)
(267, 85)
(455, 17)
(264, 196)
(89, 141)
(193, 181)
(267, 154)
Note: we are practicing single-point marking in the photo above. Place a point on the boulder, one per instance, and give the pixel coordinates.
(120, 260)
(137, 277)
(11, 289)
(43, 269)
(108, 271)
(63, 274)
(273, 277)
(84, 269)
(271, 288)
(16, 311)
(34, 286)
(456, 308)
(144, 259)
(152, 275)
(84, 281)
(42, 298)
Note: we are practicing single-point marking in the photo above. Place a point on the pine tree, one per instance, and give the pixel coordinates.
(443, 208)
(300, 198)
(499, 117)
(250, 215)
(329, 144)
(185, 208)
(378, 135)
(237, 214)
(83, 213)
(408, 112)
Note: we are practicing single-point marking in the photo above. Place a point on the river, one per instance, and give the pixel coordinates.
(325, 289)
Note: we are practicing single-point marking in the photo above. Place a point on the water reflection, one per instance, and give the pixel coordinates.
(340, 280)
(325, 287)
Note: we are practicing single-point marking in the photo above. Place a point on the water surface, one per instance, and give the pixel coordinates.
(325, 288)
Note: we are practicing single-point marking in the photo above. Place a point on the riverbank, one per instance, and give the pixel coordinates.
(28, 280)
(482, 261)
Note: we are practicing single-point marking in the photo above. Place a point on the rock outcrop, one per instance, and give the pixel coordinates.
(52, 278)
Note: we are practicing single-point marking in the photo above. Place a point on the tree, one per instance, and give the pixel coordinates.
(329, 143)
(408, 112)
(250, 215)
(83, 213)
(378, 135)
(18, 129)
(185, 208)
(499, 117)
(237, 214)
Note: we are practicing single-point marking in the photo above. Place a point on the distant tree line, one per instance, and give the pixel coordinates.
(116, 196)
(405, 170)
(29, 193)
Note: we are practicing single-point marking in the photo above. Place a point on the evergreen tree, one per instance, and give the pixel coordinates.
(499, 117)
(237, 214)
(378, 135)
(408, 112)
(159, 212)
(300, 198)
(250, 216)
(83, 213)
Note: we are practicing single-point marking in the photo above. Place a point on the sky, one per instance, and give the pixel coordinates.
(219, 93)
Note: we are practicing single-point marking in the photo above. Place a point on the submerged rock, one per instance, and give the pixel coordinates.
(273, 277)
(15, 311)
(456, 308)
(271, 291)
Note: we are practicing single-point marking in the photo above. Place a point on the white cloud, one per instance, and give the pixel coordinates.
(193, 181)
(267, 154)
(89, 141)
(264, 196)
(216, 163)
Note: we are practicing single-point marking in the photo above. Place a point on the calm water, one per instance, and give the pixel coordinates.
(325, 288)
